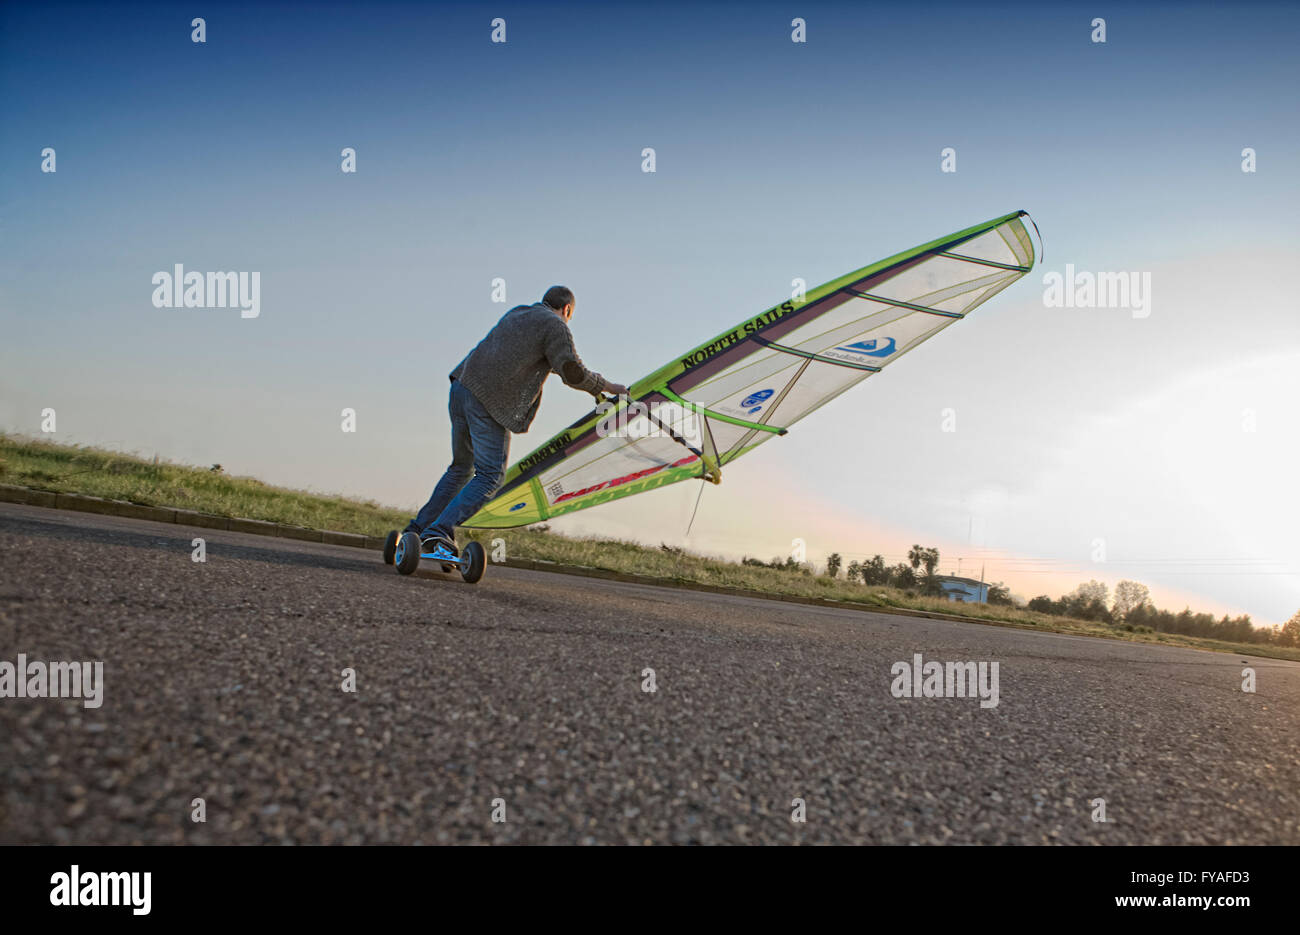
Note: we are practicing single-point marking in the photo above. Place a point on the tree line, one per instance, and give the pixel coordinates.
(918, 575)
(1129, 607)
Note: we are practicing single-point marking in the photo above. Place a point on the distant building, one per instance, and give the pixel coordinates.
(966, 590)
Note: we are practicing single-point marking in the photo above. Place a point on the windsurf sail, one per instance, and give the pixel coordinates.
(724, 398)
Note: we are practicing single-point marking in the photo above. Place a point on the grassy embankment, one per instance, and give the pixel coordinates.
(114, 475)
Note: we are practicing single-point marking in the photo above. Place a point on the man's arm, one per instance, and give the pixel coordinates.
(564, 360)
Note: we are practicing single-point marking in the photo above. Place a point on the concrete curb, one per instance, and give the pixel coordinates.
(123, 508)
(206, 520)
(10, 494)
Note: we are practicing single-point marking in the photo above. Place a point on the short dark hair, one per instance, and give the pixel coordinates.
(558, 296)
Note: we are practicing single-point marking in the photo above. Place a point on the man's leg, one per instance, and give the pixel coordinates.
(462, 465)
(490, 441)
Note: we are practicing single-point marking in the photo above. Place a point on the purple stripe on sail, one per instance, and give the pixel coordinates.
(743, 348)
(866, 284)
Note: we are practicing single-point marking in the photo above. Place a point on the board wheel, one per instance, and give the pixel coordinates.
(407, 554)
(390, 546)
(473, 562)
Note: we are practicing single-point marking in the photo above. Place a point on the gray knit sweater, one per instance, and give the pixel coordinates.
(505, 372)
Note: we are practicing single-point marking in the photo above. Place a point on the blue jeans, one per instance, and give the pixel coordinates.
(479, 447)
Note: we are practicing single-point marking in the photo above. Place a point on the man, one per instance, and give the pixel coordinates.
(496, 390)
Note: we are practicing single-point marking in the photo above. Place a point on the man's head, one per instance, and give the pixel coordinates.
(560, 299)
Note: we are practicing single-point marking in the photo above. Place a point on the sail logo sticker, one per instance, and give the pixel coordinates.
(870, 348)
(741, 333)
(550, 449)
(519, 506)
(756, 400)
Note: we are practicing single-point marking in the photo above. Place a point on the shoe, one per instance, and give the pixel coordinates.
(431, 544)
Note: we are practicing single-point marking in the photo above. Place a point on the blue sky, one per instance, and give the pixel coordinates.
(775, 160)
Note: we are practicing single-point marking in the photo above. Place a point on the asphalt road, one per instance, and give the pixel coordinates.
(222, 680)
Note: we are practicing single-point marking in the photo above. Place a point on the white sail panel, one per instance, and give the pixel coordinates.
(938, 279)
(766, 369)
(818, 385)
(1000, 245)
(730, 439)
(877, 340)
